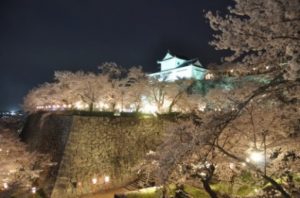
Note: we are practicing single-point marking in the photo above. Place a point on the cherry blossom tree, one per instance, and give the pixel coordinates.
(176, 91)
(45, 94)
(114, 88)
(223, 145)
(136, 87)
(263, 33)
(81, 88)
(157, 94)
(19, 169)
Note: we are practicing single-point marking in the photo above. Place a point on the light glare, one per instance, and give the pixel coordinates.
(256, 156)
(106, 179)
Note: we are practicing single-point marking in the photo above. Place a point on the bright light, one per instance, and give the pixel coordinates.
(106, 179)
(33, 190)
(231, 166)
(267, 67)
(201, 107)
(257, 156)
(80, 105)
(94, 180)
(231, 70)
(148, 190)
(117, 113)
(5, 185)
(150, 153)
(209, 76)
(148, 108)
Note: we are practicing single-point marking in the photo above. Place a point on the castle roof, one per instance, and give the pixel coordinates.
(184, 61)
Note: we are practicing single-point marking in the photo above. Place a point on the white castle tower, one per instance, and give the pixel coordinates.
(173, 68)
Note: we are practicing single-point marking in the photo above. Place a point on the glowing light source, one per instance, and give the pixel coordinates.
(148, 108)
(33, 190)
(80, 105)
(5, 185)
(257, 156)
(106, 179)
(94, 180)
(148, 190)
(209, 76)
(150, 153)
(201, 107)
(117, 113)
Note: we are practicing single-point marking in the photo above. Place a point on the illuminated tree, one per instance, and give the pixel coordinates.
(45, 94)
(157, 95)
(263, 33)
(136, 87)
(81, 88)
(263, 126)
(114, 92)
(19, 169)
(176, 91)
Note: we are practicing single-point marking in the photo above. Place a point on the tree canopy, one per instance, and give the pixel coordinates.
(260, 33)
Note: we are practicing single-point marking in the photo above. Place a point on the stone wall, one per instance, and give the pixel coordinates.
(104, 146)
(48, 133)
(92, 147)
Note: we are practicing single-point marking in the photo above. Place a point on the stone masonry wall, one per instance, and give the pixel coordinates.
(48, 133)
(104, 146)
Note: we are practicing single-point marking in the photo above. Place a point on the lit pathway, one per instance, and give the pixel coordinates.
(108, 194)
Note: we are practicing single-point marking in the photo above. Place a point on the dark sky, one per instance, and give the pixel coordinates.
(38, 37)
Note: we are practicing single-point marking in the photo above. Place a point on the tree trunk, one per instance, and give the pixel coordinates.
(91, 107)
(207, 188)
(171, 106)
(277, 186)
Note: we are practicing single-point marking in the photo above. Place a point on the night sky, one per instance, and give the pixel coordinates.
(38, 37)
